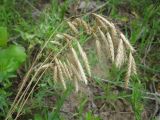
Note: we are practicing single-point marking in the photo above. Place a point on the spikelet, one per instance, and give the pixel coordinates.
(59, 36)
(55, 74)
(114, 35)
(46, 66)
(55, 43)
(103, 19)
(84, 58)
(126, 41)
(60, 73)
(95, 36)
(120, 54)
(129, 70)
(109, 24)
(76, 77)
(74, 23)
(103, 38)
(84, 25)
(102, 24)
(134, 68)
(67, 70)
(105, 41)
(76, 84)
(75, 72)
(98, 47)
(78, 64)
(68, 37)
(73, 28)
(111, 47)
(63, 69)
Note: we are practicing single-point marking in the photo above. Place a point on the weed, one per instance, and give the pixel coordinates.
(137, 101)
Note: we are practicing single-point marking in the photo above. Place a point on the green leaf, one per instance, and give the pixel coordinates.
(17, 52)
(38, 117)
(10, 60)
(3, 36)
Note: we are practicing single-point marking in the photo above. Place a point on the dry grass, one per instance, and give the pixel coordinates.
(85, 59)
(60, 74)
(105, 35)
(79, 65)
(120, 57)
(55, 75)
(73, 28)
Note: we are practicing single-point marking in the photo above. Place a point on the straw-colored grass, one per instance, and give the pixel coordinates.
(120, 55)
(78, 65)
(108, 40)
(85, 59)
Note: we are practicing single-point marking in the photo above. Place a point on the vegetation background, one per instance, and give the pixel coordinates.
(26, 25)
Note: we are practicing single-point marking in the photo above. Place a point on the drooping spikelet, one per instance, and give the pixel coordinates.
(98, 47)
(109, 24)
(75, 72)
(126, 41)
(73, 28)
(103, 19)
(84, 25)
(55, 74)
(120, 54)
(79, 66)
(59, 36)
(111, 47)
(67, 70)
(63, 69)
(105, 41)
(60, 74)
(84, 58)
(103, 38)
(68, 37)
(114, 35)
(76, 83)
(129, 70)
(55, 42)
(75, 23)
(102, 24)
(76, 77)
(134, 68)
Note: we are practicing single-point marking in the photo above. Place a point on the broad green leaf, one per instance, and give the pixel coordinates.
(10, 60)
(3, 36)
(17, 52)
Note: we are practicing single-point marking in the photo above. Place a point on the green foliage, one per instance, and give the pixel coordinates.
(38, 117)
(3, 36)
(11, 57)
(10, 60)
(4, 100)
(137, 101)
